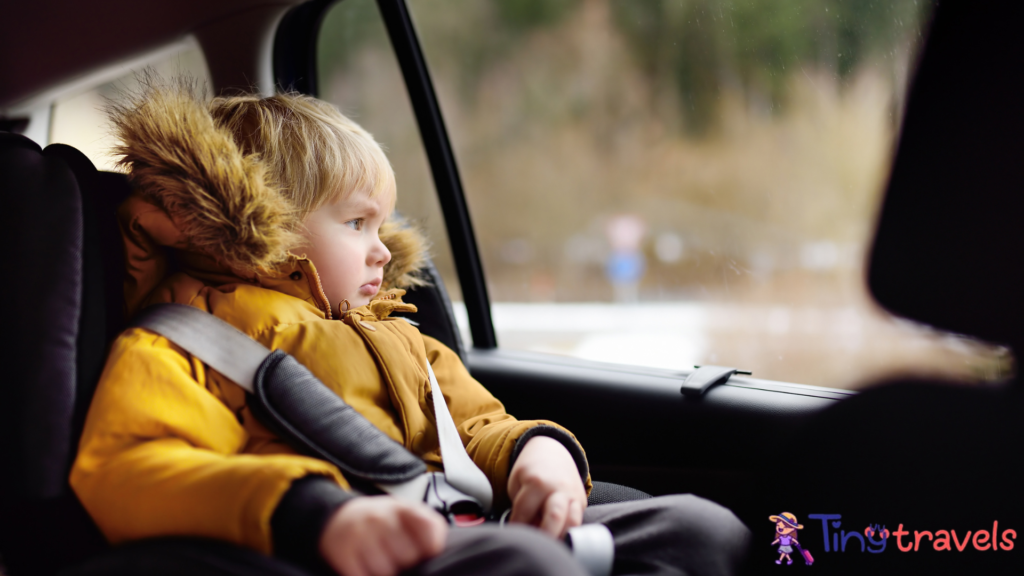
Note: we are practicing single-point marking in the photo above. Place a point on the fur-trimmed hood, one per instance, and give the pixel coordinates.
(199, 194)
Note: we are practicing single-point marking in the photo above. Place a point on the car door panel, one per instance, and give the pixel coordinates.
(637, 427)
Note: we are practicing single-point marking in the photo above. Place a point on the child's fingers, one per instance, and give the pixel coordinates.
(376, 559)
(414, 540)
(527, 505)
(358, 561)
(427, 529)
(349, 565)
(403, 549)
(556, 511)
(575, 517)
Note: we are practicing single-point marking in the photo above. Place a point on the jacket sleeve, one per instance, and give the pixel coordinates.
(493, 438)
(160, 454)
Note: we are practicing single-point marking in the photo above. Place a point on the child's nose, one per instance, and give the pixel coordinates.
(380, 255)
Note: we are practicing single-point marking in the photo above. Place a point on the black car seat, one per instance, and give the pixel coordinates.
(949, 252)
(55, 331)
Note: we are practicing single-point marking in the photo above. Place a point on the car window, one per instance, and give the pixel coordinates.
(77, 118)
(674, 184)
(357, 71)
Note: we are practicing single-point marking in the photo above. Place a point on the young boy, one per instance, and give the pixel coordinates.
(272, 214)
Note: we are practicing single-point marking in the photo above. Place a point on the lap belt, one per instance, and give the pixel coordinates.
(287, 398)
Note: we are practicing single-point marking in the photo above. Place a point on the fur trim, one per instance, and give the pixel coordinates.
(408, 249)
(221, 199)
(218, 197)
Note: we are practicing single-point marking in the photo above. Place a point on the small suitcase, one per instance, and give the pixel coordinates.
(807, 555)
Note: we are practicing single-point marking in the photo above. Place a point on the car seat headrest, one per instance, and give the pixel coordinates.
(52, 350)
(41, 298)
(949, 249)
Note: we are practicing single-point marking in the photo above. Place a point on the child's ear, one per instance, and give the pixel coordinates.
(408, 247)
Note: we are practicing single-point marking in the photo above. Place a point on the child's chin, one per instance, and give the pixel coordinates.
(361, 300)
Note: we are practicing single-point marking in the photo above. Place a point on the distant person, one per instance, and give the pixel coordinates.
(626, 264)
(273, 215)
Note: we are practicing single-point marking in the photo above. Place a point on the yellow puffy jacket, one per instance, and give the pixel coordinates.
(169, 446)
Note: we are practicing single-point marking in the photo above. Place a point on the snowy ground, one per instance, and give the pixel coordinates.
(841, 346)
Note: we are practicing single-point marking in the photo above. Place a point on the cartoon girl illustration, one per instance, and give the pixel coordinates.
(785, 535)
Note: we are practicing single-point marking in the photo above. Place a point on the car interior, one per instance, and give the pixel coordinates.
(911, 451)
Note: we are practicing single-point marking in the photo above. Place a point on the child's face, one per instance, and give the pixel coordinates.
(346, 250)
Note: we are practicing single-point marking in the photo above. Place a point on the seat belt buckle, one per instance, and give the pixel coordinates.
(458, 507)
(466, 520)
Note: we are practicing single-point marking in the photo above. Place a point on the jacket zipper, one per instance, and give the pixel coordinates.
(323, 296)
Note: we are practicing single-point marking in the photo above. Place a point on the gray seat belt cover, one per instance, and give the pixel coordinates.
(293, 402)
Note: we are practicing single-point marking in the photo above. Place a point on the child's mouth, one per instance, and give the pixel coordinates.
(370, 288)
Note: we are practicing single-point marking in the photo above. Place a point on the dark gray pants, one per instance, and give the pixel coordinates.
(680, 534)
(667, 535)
(670, 535)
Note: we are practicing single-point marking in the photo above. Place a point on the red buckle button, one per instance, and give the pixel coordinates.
(464, 520)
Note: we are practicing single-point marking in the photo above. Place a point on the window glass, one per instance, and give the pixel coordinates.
(671, 183)
(358, 72)
(78, 119)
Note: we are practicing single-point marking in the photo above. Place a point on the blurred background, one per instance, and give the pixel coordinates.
(659, 183)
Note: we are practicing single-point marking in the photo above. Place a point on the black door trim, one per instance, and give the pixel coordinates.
(442, 165)
(294, 57)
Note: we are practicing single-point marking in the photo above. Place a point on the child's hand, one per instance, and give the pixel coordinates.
(381, 536)
(545, 487)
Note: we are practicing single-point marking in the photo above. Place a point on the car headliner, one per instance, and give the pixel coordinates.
(48, 42)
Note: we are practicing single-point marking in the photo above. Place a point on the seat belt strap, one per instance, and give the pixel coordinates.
(459, 469)
(218, 344)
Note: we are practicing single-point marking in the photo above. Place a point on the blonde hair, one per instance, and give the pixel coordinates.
(313, 153)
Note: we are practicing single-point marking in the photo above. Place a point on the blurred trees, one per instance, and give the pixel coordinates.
(694, 48)
(703, 45)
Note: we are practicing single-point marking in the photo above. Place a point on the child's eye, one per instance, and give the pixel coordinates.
(355, 224)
